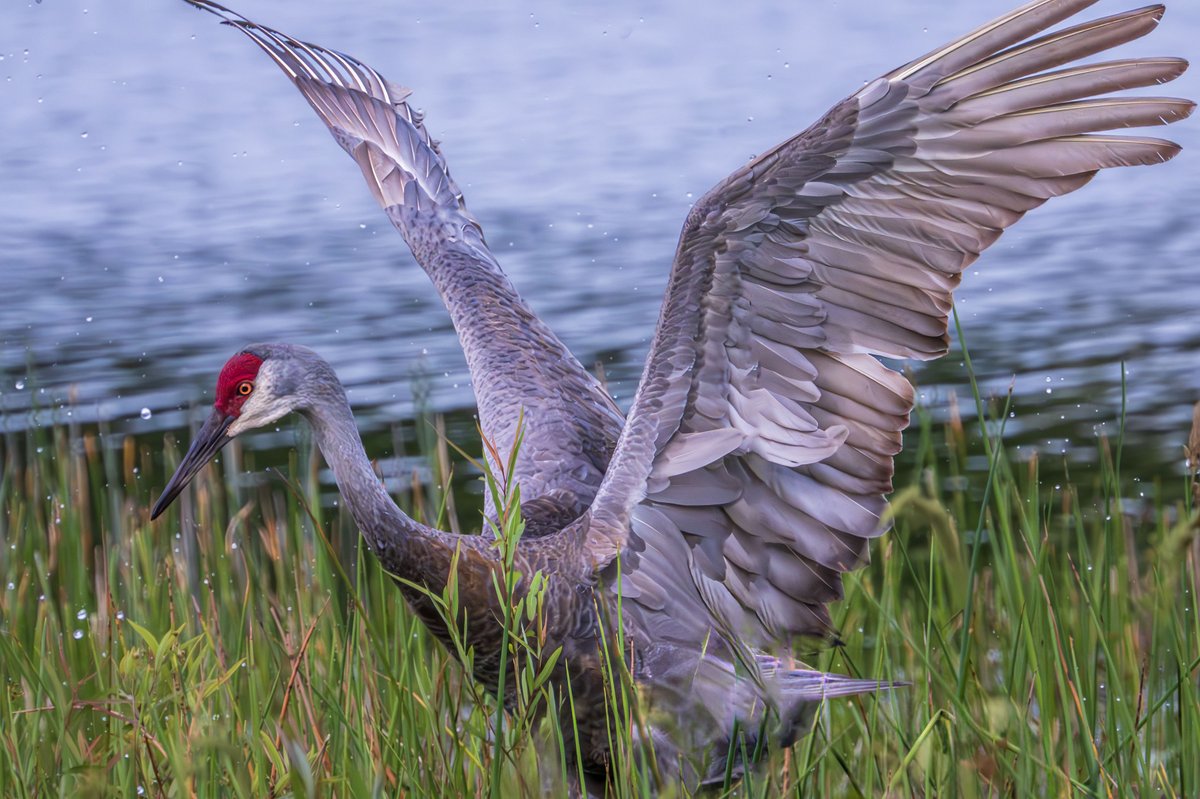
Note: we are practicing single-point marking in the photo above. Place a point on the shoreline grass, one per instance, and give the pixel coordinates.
(233, 653)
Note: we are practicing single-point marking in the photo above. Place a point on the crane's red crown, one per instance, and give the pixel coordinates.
(239, 369)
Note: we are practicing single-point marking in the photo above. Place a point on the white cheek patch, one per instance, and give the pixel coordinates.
(263, 406)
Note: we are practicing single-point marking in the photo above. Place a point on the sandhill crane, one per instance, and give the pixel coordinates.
(752, 469)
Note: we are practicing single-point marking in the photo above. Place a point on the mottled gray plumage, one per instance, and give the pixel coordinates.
(753, 468)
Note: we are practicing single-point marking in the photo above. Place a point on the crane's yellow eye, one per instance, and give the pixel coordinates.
(245, 387)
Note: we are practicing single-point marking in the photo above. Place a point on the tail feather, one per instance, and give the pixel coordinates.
(802, 691)
(801, 685)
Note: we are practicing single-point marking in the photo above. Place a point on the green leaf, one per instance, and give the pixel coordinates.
(146, 635)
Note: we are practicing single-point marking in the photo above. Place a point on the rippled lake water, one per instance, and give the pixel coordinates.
(169, 198)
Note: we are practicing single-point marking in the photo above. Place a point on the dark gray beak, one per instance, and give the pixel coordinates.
(208, 442)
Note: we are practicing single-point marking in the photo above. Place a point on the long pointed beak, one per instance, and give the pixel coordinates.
(208, 442)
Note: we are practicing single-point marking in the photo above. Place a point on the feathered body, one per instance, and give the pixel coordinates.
(713, 525)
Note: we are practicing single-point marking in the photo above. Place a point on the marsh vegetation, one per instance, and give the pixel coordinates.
(1047, 627)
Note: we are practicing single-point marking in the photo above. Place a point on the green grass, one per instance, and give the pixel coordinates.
(1050, 636)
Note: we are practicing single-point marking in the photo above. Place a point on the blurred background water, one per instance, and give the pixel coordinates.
(169, 198)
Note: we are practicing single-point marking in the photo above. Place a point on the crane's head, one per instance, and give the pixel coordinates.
(257, 386)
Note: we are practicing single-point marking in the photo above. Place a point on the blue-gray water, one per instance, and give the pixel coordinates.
(168, 198)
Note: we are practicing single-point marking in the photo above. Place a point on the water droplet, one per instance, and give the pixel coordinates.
(82, 614)
(77, 634)
(87, 319)
(120, 615)
(20, 384)
(146, 413)
(83, 135)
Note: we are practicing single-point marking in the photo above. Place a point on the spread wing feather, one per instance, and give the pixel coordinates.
(570, 422)
(753, 466)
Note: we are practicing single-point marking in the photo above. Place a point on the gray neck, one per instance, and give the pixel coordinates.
(389, 532)
(420, 556)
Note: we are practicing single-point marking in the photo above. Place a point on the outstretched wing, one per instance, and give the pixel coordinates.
(517, 363)
(753, 466)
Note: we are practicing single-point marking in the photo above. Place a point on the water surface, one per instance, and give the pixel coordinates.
(169, 198)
